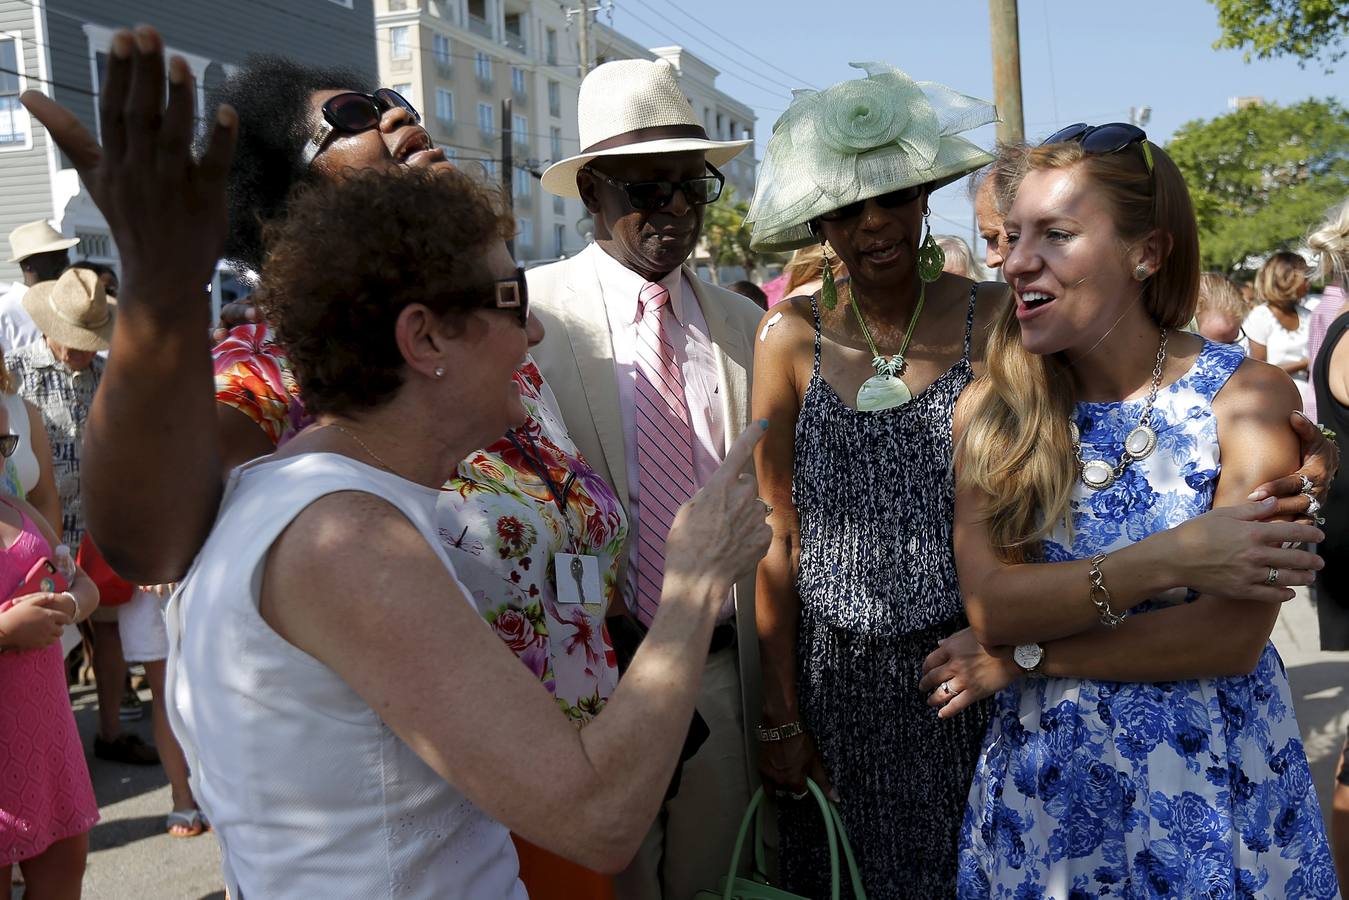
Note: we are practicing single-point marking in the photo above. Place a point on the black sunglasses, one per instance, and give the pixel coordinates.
(892, 200)
(513, 294)
(353, 112)
(650, 196)
(8, 444)
(1108, 138)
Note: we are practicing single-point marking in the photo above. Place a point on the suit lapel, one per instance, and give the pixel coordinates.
(588, 329)
(732, 360)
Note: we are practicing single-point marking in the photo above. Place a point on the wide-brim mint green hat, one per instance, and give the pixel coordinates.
(859, 139)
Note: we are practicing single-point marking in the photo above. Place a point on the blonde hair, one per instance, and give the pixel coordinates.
(807, 265)
(1219, 294)
(1330, 241)
(1017, 448)
(959, 259)
(1002, 175)
(1280, 279)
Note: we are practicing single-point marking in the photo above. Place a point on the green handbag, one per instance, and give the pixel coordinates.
(756, 886)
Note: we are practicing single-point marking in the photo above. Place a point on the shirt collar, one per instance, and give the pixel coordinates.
(43, 358)
(624, 286)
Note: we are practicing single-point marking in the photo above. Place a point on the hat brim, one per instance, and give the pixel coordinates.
(67, 334)
(63, 244)
(957, 159)
(560, 177)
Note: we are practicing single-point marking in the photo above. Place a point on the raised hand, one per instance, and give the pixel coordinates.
(166, 209)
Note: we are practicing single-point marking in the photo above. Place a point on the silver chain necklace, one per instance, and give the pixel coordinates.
(1098, 474)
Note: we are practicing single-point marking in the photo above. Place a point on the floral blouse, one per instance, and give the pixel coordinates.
(503, 517)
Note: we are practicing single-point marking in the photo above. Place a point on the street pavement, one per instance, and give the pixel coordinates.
(132, 858)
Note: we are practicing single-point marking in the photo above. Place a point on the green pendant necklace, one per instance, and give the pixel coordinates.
(886, 389)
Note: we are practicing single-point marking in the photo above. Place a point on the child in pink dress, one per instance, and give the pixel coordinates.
(47, 803)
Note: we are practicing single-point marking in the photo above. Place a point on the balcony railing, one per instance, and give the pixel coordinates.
(479, 26)
(514, 40)
(445, 69)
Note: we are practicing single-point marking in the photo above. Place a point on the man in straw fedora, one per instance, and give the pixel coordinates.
(651, 366)
(42, 253)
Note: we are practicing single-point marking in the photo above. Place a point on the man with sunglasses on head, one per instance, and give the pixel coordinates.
(651, 367)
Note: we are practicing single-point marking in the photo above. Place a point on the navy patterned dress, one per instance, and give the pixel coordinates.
(877, 584)
(1184, 789)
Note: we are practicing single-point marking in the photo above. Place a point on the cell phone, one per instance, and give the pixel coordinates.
(43, 578)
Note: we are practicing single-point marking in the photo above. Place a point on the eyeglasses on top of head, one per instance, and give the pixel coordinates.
(649, 196)
(352, 112)
(890, 200)
(1101, 139)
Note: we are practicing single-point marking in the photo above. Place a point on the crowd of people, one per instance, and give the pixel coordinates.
(987, 568)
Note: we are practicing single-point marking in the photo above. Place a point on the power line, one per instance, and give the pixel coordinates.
(743, 49)
(676, 25)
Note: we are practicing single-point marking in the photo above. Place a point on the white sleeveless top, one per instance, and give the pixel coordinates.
(25, 461)
(310, 794)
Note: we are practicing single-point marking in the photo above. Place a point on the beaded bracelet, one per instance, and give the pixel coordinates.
(1100, 594)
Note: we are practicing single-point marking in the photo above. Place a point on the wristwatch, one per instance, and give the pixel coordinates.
(1029, 657)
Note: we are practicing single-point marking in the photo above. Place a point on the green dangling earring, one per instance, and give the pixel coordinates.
(828, 290)
(931, 257)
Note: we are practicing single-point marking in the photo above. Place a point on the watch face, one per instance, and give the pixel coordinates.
(1028, 656)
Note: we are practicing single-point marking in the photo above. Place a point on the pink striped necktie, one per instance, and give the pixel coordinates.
(664, 445)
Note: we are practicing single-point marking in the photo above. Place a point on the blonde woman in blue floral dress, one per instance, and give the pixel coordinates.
(1146, 745)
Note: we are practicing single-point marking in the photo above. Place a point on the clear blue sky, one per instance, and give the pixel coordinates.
(1081, 60)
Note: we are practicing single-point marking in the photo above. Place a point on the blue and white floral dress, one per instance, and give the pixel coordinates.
(1182, 789)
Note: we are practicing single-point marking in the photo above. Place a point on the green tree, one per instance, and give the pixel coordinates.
(1260, 176)
(1303, 29)
(726, 237)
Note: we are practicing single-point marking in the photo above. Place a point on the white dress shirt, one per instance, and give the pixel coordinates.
(697, 361)
(17, 328)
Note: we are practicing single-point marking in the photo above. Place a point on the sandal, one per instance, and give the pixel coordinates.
(191, 821)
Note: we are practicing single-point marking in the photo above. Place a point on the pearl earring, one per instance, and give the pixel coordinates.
(440, 372)
(1141, 272)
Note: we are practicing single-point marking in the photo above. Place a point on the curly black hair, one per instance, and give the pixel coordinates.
(272, 97)
(350, 254)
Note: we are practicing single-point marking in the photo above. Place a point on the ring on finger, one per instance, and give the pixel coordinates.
(768, 507)
(1307, 486)
(947, 689)
(1314, 510)
(1273, 576)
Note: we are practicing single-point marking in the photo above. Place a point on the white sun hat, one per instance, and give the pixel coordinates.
(629, 107)
(37, 237)
(856, 140)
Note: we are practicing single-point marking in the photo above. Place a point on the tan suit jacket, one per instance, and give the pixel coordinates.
(577, 359)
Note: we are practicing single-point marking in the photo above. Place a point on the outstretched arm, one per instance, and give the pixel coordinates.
(151, 467)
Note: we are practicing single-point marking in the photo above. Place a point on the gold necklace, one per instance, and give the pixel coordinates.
(364, 446)
(886, 389)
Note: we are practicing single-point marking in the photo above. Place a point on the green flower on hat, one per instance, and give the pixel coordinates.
(858, 139)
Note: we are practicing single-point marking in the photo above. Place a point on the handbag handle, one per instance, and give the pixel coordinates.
(834, 834)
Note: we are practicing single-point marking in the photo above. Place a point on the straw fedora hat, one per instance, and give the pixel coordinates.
(73, 310)
(634, 106)
(37, 237)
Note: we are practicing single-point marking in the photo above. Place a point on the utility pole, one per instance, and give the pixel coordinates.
(1002, 24)
(585, 37)
(508, 163)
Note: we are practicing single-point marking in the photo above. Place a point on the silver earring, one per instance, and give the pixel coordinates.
(1141, 272)
(440, 372)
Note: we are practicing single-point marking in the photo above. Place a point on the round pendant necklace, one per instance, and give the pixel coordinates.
(886, 389)
(1098, 474)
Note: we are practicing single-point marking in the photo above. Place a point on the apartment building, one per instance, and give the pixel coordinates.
(457, 60)
(60, 47)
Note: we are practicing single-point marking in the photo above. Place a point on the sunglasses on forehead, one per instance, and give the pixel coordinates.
(1111, 137)
(650, 196)
(353, 112)
(892, 200)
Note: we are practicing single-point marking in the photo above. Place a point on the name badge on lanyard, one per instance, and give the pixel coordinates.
(578, 579)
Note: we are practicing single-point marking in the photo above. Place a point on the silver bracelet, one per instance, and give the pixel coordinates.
(75, 604)
(1100, 594)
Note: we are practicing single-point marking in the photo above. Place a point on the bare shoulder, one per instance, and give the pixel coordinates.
(784, 329)
(1258, 390)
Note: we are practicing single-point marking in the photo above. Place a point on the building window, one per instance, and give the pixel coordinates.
(399, 37)
(520, 125)
(345, 3)
(397, 5)
(555, 99)
(405, 89)
(524, 233)
(486, 121)
(518, 81)
(444, 105)
(489, 168)
(559, 239)
(482, 66)
(440, 48)
(524, 186)
(13, 119)
(451, 153)
(550, 45)
(555, 143)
